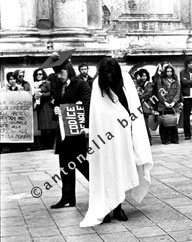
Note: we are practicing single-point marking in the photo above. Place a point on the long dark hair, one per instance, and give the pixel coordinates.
(35, 74)
(146, 72)
(187, 61)
(173, 71)
(110, 76)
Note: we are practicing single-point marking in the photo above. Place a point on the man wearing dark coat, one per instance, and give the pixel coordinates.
(69, 89)
(83, 69)
(186, 91)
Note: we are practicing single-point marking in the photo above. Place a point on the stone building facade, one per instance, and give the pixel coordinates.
(134, 31)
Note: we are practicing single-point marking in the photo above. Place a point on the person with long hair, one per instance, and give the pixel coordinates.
(169, 98)
(186, 90)
(145, 92)
(69, 89)
(42, 103)
(119, 152)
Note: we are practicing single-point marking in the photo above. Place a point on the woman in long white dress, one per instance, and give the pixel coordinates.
(119, 151)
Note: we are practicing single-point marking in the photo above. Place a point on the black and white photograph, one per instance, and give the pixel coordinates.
(96, 120)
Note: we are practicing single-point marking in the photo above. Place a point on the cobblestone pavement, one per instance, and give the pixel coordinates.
(164, 215)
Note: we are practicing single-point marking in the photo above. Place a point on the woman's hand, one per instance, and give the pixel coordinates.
(85, 131)
(167, 105)
(171, 105)
(38, 95)
(57, 110)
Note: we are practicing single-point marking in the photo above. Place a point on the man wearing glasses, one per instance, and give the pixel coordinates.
(20, 74)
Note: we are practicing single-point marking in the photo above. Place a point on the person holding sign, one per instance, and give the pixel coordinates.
(71, 149)
(20, 74)
(12, 85)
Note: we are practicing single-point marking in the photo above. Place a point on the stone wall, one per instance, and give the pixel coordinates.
(126, 29)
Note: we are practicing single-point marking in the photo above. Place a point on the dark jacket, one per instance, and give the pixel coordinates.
(78, 90)
(45, 109)
(186, 83)
(168, 94)
(25, 85)
(146, 91)
(89, 80)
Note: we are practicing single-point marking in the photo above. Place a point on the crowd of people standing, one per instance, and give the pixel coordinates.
(166, 93)
(172, 96)
(109, 100)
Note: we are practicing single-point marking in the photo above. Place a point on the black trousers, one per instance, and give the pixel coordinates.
(187, 107)
(68, 165)
(168, 133)
(146, 116)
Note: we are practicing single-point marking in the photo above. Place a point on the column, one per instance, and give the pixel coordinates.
(18, 14)
(94, 13)
(70, 13)
(189, 40)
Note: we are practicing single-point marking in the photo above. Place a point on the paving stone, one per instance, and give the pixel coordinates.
(162, 238)
(50, 239)
(7, 213)
(112, 227)
(165, 215)
(176, 225)
(147, 231)
(163, 177)
(36, 214)
(187, 210)
(14, 231)
(39, 222)
(75, 230)
(33, 207)
(9, 205)
(175, 179)
(64, 214)
(44, 231)
(137, 222)
(16, 239)
(12, 221)
(67, 222)
(84, 238)
(119, 237)
(182, 236)
(159, 189)
(177, 201)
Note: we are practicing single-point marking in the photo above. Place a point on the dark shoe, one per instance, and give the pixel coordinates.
(119, 214)
(63, 203)
(175, 142)
(187, 137)
(165, 142)
(107, 219)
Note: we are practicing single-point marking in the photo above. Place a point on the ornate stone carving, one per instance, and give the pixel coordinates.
(43, 9)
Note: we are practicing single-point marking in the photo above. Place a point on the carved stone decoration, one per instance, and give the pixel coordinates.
(43, 8)
(44, 14)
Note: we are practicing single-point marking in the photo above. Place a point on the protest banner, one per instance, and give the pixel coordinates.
(73, 116)
(16, 117)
